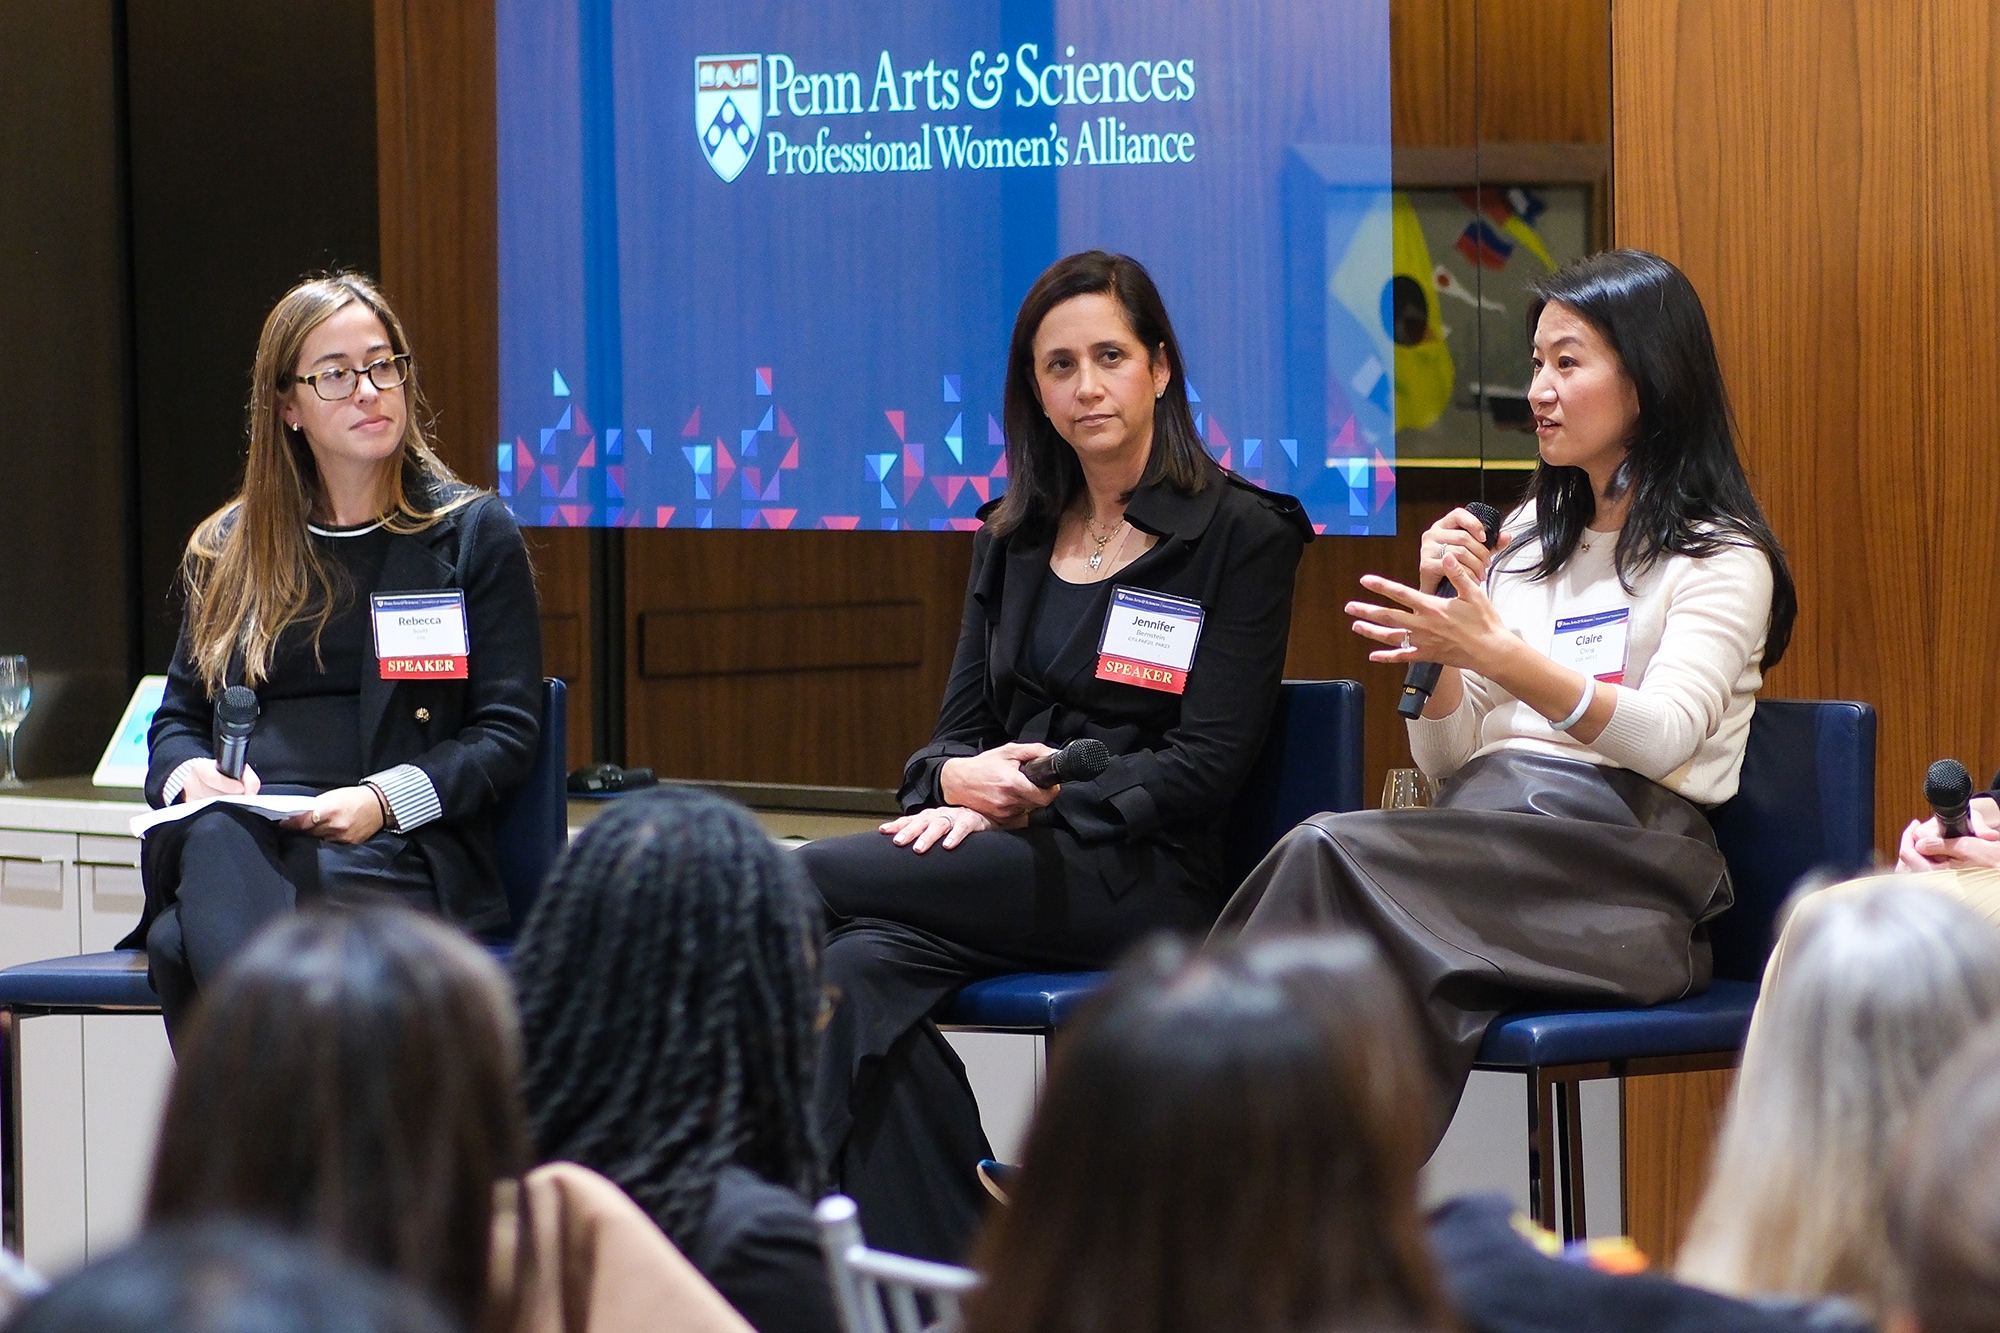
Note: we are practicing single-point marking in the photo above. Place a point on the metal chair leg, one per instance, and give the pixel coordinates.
(1569, 1128)
(10, 1142)
(1541, 1148)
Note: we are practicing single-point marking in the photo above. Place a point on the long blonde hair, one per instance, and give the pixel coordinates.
(1874, 984)
(250, 569)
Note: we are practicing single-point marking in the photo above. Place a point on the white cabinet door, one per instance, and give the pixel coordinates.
(108, 888)
(127, 1067)
(54, 1224)
(38, 911)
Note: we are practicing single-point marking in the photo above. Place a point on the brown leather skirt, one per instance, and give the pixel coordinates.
(1532, 882)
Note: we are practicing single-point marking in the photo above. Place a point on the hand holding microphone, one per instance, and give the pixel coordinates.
(1079, 761)
(1963, 831)
(1421, 680)
(227, 774)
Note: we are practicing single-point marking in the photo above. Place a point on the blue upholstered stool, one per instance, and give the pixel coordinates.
(529, 831)
(1310, 764)
(1806, 801)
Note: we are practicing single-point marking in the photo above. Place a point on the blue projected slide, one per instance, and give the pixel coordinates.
(759, 261)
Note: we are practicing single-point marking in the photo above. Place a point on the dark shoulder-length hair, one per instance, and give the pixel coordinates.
(1043, 476)
(669, 989)
(1228, 1141)
(353, 1077)
(1689, 493)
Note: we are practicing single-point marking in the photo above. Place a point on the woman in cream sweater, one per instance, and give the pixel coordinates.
(1601, 664)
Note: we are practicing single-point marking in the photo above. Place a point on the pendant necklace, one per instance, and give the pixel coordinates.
(1096, 560)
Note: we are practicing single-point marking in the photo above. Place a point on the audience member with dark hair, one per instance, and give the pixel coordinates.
(1228, 1142)
(669, 992)
(354, 1077)
(1944, 1208)
(228, 1277)
(1873, 986)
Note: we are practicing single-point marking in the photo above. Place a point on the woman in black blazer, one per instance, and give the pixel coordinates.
(1110, 494)
(343, 502)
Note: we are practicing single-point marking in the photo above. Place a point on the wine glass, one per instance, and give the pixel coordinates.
(16, 692)
(1405, 789)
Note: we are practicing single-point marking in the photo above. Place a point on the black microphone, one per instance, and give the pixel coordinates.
(1422, 677)
(235, 715)
(1079, 761)
(1948, 787)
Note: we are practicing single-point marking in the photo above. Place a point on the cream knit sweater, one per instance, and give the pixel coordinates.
(1692, 667)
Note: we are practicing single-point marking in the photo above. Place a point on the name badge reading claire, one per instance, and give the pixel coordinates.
(420, 635)
(1148, 640)
(1594, 644)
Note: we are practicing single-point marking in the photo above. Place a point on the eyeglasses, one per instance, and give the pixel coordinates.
(338, 385)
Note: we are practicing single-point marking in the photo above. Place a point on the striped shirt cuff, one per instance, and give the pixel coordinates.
(412, 797)
(177, 782)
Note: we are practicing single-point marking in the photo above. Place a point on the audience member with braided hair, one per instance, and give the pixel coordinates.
(668, 982)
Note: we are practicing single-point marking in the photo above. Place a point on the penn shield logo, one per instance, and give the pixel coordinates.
(728, 110)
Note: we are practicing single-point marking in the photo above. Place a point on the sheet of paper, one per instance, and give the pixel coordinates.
(271, 807)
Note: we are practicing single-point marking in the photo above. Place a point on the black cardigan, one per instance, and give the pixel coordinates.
(476, 738)
(1179, 759)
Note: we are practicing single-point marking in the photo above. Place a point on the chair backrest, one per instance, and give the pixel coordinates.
(878, 1292)
(1805, 801)
(532, 822)
(1311, 763)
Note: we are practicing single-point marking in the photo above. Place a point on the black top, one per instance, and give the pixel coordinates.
(1063, 606)
(1502, 1284)
(1178, 759)
(308, 731)
(759, 1247)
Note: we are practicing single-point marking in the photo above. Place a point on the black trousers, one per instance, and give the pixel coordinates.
(892, 1106)
(228, 872)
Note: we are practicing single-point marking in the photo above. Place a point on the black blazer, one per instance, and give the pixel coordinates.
(474, 738)
(1179, 759)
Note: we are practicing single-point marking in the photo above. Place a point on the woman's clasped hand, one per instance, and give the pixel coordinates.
(983, 792)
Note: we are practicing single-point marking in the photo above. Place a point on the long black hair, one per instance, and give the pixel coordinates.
(669, 1001)
(1689, 494)
(1043, 476)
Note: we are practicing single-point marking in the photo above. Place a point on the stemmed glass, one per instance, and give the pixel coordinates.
(16, 692)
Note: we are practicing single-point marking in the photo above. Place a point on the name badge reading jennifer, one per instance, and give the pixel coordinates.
(1594, 644)
(420, 635)
(1149, 640)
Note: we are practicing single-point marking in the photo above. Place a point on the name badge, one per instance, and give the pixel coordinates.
(1149, 640)
(420, 635)
(1594, 644)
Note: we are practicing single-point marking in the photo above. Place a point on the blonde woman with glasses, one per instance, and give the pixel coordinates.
(383, 613)
(1874, 984)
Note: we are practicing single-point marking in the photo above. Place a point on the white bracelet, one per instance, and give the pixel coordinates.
(1582, 706)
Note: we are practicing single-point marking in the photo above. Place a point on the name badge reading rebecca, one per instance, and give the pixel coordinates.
(1594, 644)
(1148, 640)
(420, 635)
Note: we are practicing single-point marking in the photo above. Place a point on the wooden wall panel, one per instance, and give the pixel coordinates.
(438, 164)
(1827, 175)
(1671, 1119)
(838, 726)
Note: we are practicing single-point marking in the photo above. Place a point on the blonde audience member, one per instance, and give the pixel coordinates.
(1944, 1217)
(1873, 985)
(354, 1077)
(1228, 1142)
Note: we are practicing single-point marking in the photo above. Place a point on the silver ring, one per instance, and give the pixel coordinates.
(316, 814)
(1406, 639)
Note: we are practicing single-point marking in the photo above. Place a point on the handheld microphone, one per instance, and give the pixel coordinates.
(235, 716)
(1422, 677)
(1948, 787)
(1079, 761)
